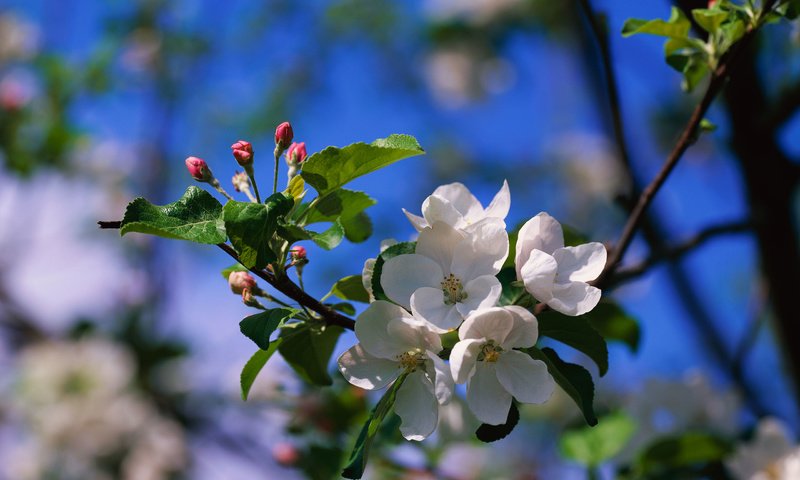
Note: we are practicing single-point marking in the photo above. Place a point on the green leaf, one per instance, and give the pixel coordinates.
(707, 126)
(357, 228)
(676, 27)
(512, 293)
(339, 203)
(344, 307)
(614, 324)
(687, 450)
(330, 238)
(251, 226)
(709, 19)
(308, 350)
(260, 326)
(196, 217)
(402, 248)
(358, 458)
(591, 446)
(350, 288)
(577, 333)
(573, 379)
(253, 367)
(333, 167)
(236, 267)
(491, 433)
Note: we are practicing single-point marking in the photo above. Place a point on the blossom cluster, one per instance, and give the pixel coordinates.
(450, 284)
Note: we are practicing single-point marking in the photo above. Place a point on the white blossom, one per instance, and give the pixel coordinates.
(451, 274)
(770, 456)
(555, 274)
(393, 342)
(485, 359)
(456, 206)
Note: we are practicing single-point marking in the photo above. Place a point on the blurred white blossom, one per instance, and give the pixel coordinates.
(771, 455)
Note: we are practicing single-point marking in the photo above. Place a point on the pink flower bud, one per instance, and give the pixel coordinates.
(285, 454)
(249, 299)
(241, 181)
(243, 152)
(298, 253)
(239, 281)
(283, 135)
(198, 169)
(296, 153)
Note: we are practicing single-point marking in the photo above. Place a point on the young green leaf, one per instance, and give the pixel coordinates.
(260, 326)
(330, 238)
(251, 226)
(339, 203)
(358, 458)
(308, 350)
(573, 379)
(358, 228)
(676, 27)
(401, 248)
(614, 324)
(196, 217)
(491, 433)
(709, 19)
(673, 454)
(350, 288)
(591, 446)
(333, 167)
(253, 367)
(577, 333)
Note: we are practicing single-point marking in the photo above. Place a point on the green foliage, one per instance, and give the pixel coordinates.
(593, 446)
(196, 217)
(358, 458)
(333, 167)
(688, 455)
(677, 26)
(357, 228)
(251, 227)
(236, 267)
(402, 248)
(350, 288)
(260, 326)
(253, 366)
(577, 333)
(341, 203)
(611, 321)
(573, 379)
(308, 349)
(513, 293)
(330, 238)
(491, 433)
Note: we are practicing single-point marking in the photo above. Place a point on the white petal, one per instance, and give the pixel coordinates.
(460, 198)
(403, 274)
(418, 222)
(574, 298)
(428, 303)
(372, 330)
(525, 378)
(463, 358)
(438, 242)
(438, 209)
(583, 263)
(365, 371)
(490, 324)
(486, 397)
(541, 232)
(500, 203)
(443, 379)
(416, 405)
(483, 251)
(412, 334)
(482, 292)
(526, 328)
(538, 274)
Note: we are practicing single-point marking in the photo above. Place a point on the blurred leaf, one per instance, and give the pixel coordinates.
(676, 27)
(260, 326)
(573, 379)
(358, 228)
(358, 458)
(591, 446)
(196, 217)
(707, 126)
(308, 350)
(402, 248)
(333, 167)
(709, 19)
(614, 324)
(253, 367)
(491, 433)
(672, 454)
(237, 267)
(350, 288)
(577, 333)
(251, 226)
(344, 307)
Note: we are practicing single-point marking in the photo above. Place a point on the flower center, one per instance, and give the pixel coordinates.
(490, 352)
(410, 360)
(453, 290)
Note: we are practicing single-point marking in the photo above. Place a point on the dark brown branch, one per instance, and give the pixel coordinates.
(676, 252)
(784, 107)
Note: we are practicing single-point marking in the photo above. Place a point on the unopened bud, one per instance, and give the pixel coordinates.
(249, 299)
(711, 3)
(296, 153)
(239, 281)
(283, 136)
(241, 182)
(298, 253)
(198, 169)
(243, 152)
(285, 454)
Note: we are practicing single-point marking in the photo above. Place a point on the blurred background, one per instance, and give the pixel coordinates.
(120, 357)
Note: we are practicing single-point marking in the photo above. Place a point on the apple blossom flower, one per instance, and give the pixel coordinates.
(369, 267)
(555, 274)
(393, 342)
(456, 206)
(770, 455)
(484, 358)
(451, 273)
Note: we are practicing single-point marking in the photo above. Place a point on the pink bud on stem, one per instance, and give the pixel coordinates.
(239, 281)
(198, 169)
(243, 153)
(283, 138)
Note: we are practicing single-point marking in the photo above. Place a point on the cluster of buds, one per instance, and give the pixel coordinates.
(295, 155)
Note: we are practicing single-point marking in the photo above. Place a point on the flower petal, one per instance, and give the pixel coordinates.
(482, 292)
(574, 298)
(412, 334)
(525, 331)
(460, 198)
(483, 251)
(443, 379)
(365, 371)
(541, 232)
(403, 274)
(438, 242)
(583, 263)
(538, 274)
(463, 358)
(490, 324)
(501, 203)
(418, 222)
(486, 397)
(428, 303)
(416, 405)
(372, 330)
(438, 209)
(525, 378)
